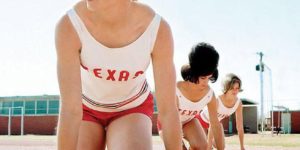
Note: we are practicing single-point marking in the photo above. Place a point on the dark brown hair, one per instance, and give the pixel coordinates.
(203, 61)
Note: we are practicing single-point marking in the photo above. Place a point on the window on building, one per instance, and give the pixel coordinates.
(30, 107)
(5, 108)
(41, 107)
(17, 107)
(7, 104)
(53, 107)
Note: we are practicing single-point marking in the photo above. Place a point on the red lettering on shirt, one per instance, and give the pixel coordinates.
(183, 112)
(138, 73)
(84, 67)
(188, 112)
(97, 72)
(195, 113)
(124, 75)
(111, 75)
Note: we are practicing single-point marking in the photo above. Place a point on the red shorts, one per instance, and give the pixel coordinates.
(202, 122)
(105, 118)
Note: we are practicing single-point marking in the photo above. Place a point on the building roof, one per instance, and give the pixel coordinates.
(30, 98)
(246, 101)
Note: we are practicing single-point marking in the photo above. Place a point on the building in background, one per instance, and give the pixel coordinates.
(29, 115)
(39, 115)
(249, 115)
(287, 120)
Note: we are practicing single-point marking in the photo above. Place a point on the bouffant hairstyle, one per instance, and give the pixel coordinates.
(203, 61)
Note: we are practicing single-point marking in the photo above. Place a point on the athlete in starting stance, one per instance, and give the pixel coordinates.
(103, 50)
(194, 93)
(228, 103)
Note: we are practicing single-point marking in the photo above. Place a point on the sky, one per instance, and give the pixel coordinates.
(237, 29)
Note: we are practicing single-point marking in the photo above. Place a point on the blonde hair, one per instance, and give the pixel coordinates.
(228, 82)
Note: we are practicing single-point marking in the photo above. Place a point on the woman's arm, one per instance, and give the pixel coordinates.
(68, 71)
(210, 138)
(215, 124)
(164, 75)
(239, 124)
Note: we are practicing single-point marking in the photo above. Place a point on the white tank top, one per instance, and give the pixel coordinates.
(113, 79)
(223, 111)
(188, 109)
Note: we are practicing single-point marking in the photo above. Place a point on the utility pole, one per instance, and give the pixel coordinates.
(271, 97)
(260, 68)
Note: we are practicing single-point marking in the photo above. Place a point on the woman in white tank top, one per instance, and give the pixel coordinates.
(228, 103)
(194, 93)
(104, 48)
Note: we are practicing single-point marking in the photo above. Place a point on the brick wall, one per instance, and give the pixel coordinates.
(38, 125)
(277, 121)
(3, 125)
(295, 122)
(44, 125)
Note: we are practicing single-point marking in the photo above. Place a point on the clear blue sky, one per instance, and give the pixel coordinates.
(237, 29)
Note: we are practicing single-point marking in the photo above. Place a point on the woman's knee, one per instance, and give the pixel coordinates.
(91, 136)
(198, 146)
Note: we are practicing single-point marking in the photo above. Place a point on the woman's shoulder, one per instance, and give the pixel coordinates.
(181, 87)
(64, 30)
(143, 8)
(64, 26)
(220, 96)
(180, 84)
(145, 11)
(64, 21)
